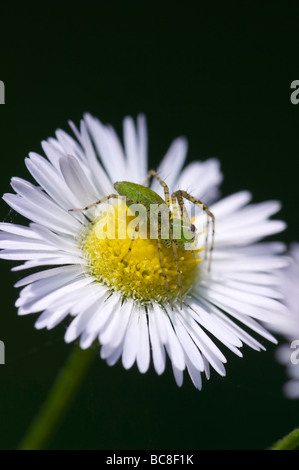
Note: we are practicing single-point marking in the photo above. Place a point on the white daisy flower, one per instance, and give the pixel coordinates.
(126, 304)
(288, 325)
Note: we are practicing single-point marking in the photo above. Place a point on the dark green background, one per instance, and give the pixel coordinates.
(219, 75)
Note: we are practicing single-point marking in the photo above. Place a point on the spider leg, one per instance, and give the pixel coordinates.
(184, 214)
(207, 237)
(176, 259)
(174, 206)
(177, 199)
(190, 198)
(112, 196)
(163, 272)
(153, 173)
(131, 243)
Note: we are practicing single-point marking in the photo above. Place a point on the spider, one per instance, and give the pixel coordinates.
(142, 194)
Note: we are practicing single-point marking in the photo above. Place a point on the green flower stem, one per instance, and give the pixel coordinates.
(58, 400)
(289, 442)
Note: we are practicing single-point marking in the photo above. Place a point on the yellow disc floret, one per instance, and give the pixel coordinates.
(134, 268)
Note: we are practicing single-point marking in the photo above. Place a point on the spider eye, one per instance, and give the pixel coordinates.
(193, 228)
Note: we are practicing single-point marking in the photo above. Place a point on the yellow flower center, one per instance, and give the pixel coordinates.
(134, 268)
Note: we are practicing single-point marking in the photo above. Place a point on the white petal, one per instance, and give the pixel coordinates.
(200, 179)
(246, 234)
(53, 153)
(98, 320)
(114, 332)
(41, 303)
(78, 325)
(49, 319)
(230, 204)
(132, 148)
(105, 146)
(40, 209)
(173, 346)
(77, 181)
(171, 164)
(25, 232)
(46, 274)
(178, 375)
(191, 351)
(48, 262)
(158, 351)
(143, 352)
(208, 349)
(99, 176)
(111, 356)
(291, 389)
(247, 297)
(194, 373)
(69, 145)
(131, 340)
(50, 180)
(142, 141)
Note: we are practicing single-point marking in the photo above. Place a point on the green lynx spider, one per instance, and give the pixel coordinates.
(141, 194)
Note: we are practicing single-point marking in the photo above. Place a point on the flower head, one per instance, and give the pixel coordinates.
(288, 325)
(141, 301)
